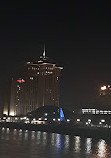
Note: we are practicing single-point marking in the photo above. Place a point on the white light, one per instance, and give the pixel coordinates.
(5, 112)
(103, 87)
(3, 128)
(102, 120)
(102, 149)
(46, 114)
(68, 120)
(45, 119)
(78, 120)
(12, 113)
(54, 119)
(89, 120)
(58, 119)
(40, 119)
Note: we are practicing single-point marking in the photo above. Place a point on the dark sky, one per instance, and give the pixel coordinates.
(77, 36)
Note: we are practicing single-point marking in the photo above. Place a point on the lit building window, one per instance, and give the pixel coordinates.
(102, 120)
(12, 113)
(97, 111)
(5, 112)
(31, 78)
(89, 120)
(101, 111)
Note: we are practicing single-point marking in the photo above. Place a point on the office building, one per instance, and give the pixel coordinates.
(38, 86)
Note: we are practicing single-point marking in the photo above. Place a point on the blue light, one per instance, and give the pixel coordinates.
(62, 118)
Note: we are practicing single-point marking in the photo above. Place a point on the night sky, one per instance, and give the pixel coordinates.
(77, 36)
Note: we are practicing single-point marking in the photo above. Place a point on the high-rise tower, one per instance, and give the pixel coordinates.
(39, 86)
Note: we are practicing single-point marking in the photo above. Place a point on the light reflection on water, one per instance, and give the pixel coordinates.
(88, 145)
(103, 150)
(77, 144)
(31, 144)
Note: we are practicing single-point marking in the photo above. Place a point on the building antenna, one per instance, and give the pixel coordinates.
(44, 51)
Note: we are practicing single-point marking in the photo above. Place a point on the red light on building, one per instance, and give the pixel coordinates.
(21, 81)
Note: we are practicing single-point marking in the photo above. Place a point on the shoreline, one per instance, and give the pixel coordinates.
(61, 129)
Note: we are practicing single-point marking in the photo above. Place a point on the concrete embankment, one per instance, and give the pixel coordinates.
(62, 129)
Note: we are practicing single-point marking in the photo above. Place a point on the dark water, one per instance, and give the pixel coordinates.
(27, 144)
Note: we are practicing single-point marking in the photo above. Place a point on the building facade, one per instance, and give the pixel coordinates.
(38, 87)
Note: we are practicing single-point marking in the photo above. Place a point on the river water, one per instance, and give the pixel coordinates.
(31, 144)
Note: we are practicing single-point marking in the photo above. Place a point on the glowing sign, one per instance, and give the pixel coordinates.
(21, 81)
(62, 118)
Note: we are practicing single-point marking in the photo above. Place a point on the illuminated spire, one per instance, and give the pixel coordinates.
(44, 51)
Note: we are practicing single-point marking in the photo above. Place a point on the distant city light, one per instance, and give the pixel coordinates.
(78, 120)
(89, 120)
(102, 120)
(5, 112)
(21, 81)
(11, 113)
(103, 88)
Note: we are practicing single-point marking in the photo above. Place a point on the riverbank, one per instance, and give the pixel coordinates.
(61, 129)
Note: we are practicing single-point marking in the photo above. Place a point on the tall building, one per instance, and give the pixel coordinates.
(38, 86)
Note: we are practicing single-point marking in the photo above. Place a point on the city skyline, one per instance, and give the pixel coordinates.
(77, 37)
